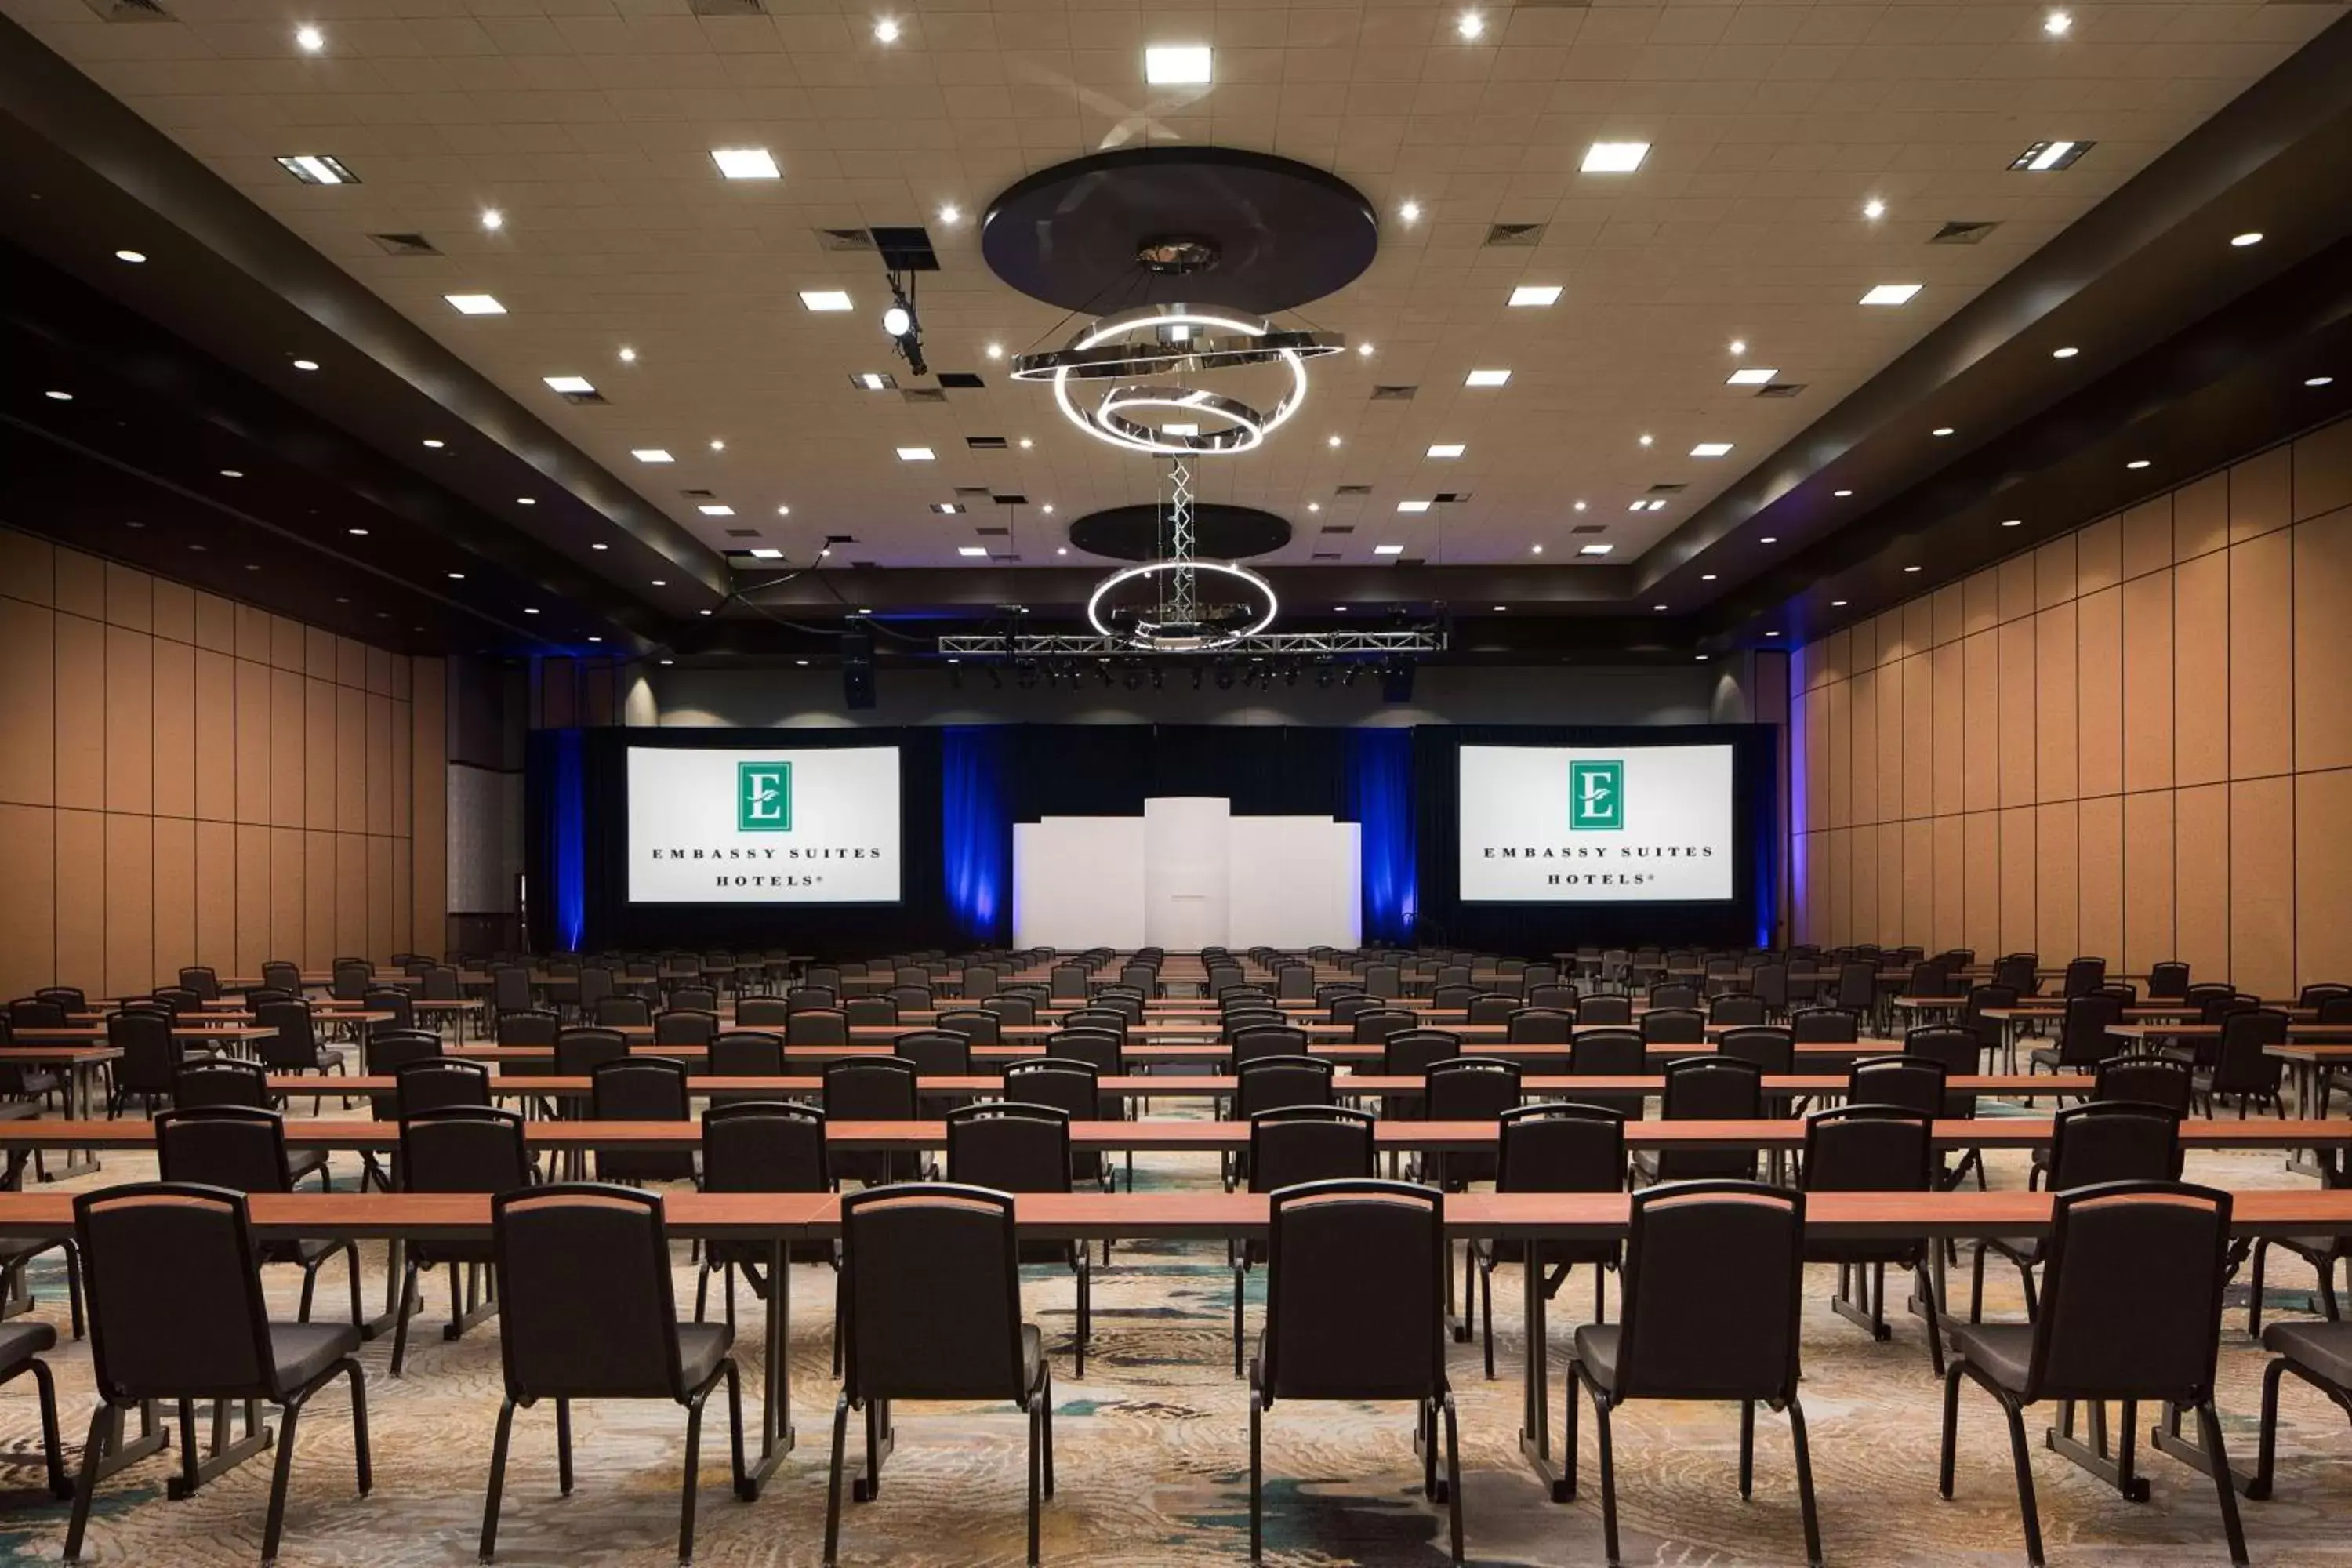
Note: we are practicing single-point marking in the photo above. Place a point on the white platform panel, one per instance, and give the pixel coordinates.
(1187, 872)
(1077, 882)
(1297, 881)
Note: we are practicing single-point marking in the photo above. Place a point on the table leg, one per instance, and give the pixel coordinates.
(117, 1455)
(1535, 1383)
(395, 1270)
(2169, 1438)
(776, 1434)
(2091, 1452)
(77, 1162)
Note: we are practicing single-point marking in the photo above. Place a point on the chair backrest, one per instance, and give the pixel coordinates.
(1011, 1007)
(1769, 983)
(174, 1284)
(561, 1247)
(463, 1149)
(219, 1080)
(1110, 1019)
(1615, 1053)
(2131, 1301)
(1909, 1082)
(1378, 1024)
(812, 998)
(1058, 1081)
(1492, 1008)
(2083, 975)
(870, 1089)
(1407, 1053)
(149, 1053)
(870, 1010)
(294, 1045)
(1674, 994)
(935, 1052)
(747, 1053)
(764, 1146)
(1104, 1049)
(2148, 1080)
(1560, 1148)
(1267, 1040)
(282, 974)
(1068, 982)
(762, 1012)
(1010, 1147)
(1736, 1007)
(2113, 1141)
(388, 1050)
(2320, 992)
(977, 1024)
(232, 1146)
(638, 1089)
(1540, 1026)
(1674, 1026)
(1609, 1009)
(202, 980)
(1346, 1007)
(1356, 1273)
(2244, 1062)
(1300, 1143)
(1553, 993)
(930, 1294)
(439, 1083)
(1271, 1083)
(1824, 1025)
(396, 1000)
(684, 1026)
(528, 1027)
(2167, 980)
(1686, 1337)
(1876, 1147)
(580, 1052)
(1471, 1088)
(818, 1027)
(623, 1012)
(1711, 1089)
(1774, 1050)
(1930, 977)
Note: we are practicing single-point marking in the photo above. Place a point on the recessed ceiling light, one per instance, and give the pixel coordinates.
(1911, 568)
(2058, 24)
(947, 507)
(1180, 428)
(2012, 522)
(2136, 463)
(1580, 506)
(1315, 506)
(1658, 505)
(2067, 351)
(493, 219)
(886, 30)
(309, 40)
(1614, 157)
(874, 381)
(1469, 26)
(717, 446)
(2252, 236)
(917, 455)
(745, 163)
(232, 473)
(596, 639)
(1026, 443)
(1706, 576)
(1837, 604)
(317, 169)
(1061, 550)
(134, 255)
(356, 532)
(1536, 294)
(1874, 209)
(1594, 549)
(571, 385)
(1841, 494)
(2045, 157)
(668, 662)
(1700, 656)
(994, 351)
(1412, 506)
(628, 355)
(651, 454)
(783, 511)
(1739, 345)
(768, 554)
(475, 304)
(1486, 378)
(1751, 375)
(434, 442)
(457, 576)
(715, 509)
(2318, 381)
(951, 215)
(975, 550)
(1771, 634)
(1534, 550)
(1447, 449)
(802, 663)
(58, 396)
(600, 547)
(306, 364)
(1364, 351)
(529, 610)
(1891, 294)
(1388, 549)
(661, 582)
(1048, 509)
(1941, 430)
(1712, 450)
(825, 299)
(1770, 538)
(526, 500)
(1410, 212)
(1176, 64)
(1332, 439)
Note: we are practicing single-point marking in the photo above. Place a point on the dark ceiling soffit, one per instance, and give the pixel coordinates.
(2305, 98)
(74, 114)
(1303, 591)
(2229, 387)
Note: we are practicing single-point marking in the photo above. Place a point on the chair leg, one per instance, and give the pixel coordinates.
(1746, 1448)
(1258, 1482)
(735, 1429)
(832, 1484)
(1086, 1309)
(1568, 1388)
(1452, 1472)
(1608, 1479)
(564, 1446)
(1925, 1280)
(52, 1450)
(1486, 1310)
(1046, 1397)
(274, 1525)
(1240, 1271)
(1036, 1409)
(352, 1263)
(497, 1479)
(310, 1286)
(701, 1290)
(400, 1319)
(92, 1452)
(2268, 1456)
(2022, 1457)
(2209, 1421)
(362, 1465)
(1805, 1483)
(73, 1286)
(693, 1472)
(2254, 1289)
(1952, 1431)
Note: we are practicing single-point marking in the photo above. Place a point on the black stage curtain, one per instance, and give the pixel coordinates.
(1533, 929)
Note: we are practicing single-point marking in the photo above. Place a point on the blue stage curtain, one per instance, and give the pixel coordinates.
(1380, 799)
(976, 832)
(567, 842)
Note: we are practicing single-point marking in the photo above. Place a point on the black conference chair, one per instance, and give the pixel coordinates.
(1737, 1008)
(2103, 1142)
(456, 1149)
(1289, 1145)
(1825, 1026)
(1607, 1009)
(873, 1088)
(1673, 1026)
(1610, 1053)
(242, 1150)
(177, 1313)
(1540, 1026)
(2083, 1041)
(580, 1052)
(641, 1089)
(2242, 1069)
(761, 1146)
(440, 1083)
(151, 1057)
(1865, 1147)
(2131, 1312)
(747, 1053)
(1707, 1089)
(1009, 1147)
(1355, 1310)
(931, 1309)
(1683, 1336)
(2318, 1353)
(560, 1246)
(295, 1048)
(1409, 1053)
(22, 1343)
(1553, 1148)
(818, 1027)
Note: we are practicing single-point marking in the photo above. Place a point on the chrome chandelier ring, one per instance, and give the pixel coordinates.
(1162, 637)
(1241, 426)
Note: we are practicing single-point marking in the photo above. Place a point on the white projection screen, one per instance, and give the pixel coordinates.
(764, 826)
(1597, 825)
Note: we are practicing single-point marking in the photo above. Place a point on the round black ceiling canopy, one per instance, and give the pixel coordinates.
(1220, 533)
(1203, 225)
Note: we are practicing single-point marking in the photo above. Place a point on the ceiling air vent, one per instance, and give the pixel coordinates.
(1338, 528)
(742, 533)
(1525, 236)
(1012, 558)
(1413, 560)
(1324, 555)
(1669, 489)
(130, 11)
(1353, 490)
(1443, 496)
(1964, 231)
(922, 394)
(405, 245)
(727, 7)
(906, 248)
(591, 395)
(985, 443)
(1589, 528)
(960, 381)
(699, 495)
(994, 533)
(844, 239)
(1009, 500)
(1393, 394)
(1780, 389)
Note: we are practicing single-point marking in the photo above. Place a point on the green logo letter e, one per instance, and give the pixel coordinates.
(1596, 796)
(763, 797)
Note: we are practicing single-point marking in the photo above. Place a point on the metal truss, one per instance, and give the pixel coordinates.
(1310, 645)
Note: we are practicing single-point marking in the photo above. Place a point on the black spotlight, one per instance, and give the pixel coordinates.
(1349, 677)
(1224, 678)
(857, 667)
(1396, 682)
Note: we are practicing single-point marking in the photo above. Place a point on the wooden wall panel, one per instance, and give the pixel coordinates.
(2323, 639)
(2018, 892)
(2323, 865)
(215, 736)
(28, 703)
(2200, 517)
(429, 804)
(1843, 916)
(377, 789)
(2147, 677)
(175, 729)
(2148, 936)
(2099, 898)
(1919, 732)
(1918, 879)
(1951, 733)
(2323, 470)
(351, 893)
(1980, 880)
(80, 712)
(2262, 884)
(28, 915)
(2200, 903)
(287, 888)
(1863, 887)
(2201, 666)
(253, 892)
(1838, 704)
(216, 895)
(318, 731)
(2261, 654)
(2056, 881)
(1980, 700)
(81, 896)
(253, 737)
(350, 764)
(129, 905)
(2054, 687)
(317, 898)
(2147, 537)
(288, 755)
(1864, 720)
(80, 585)
(2098, 553)
(1950, 927)
(1892, 742)
(176, 892)
(379, 890)
(2099, 708)
(2017, 676)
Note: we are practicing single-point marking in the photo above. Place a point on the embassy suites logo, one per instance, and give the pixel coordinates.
(1596, 797)
(763, 797)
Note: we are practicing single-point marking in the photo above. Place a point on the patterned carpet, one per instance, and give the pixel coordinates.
(1151, 1450)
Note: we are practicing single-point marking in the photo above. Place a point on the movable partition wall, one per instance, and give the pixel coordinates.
(1391, 797)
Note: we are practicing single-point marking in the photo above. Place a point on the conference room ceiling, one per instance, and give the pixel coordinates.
(1772, 130)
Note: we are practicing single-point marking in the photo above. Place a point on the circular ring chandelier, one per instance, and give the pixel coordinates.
(1132, 348)
(1197, 634)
